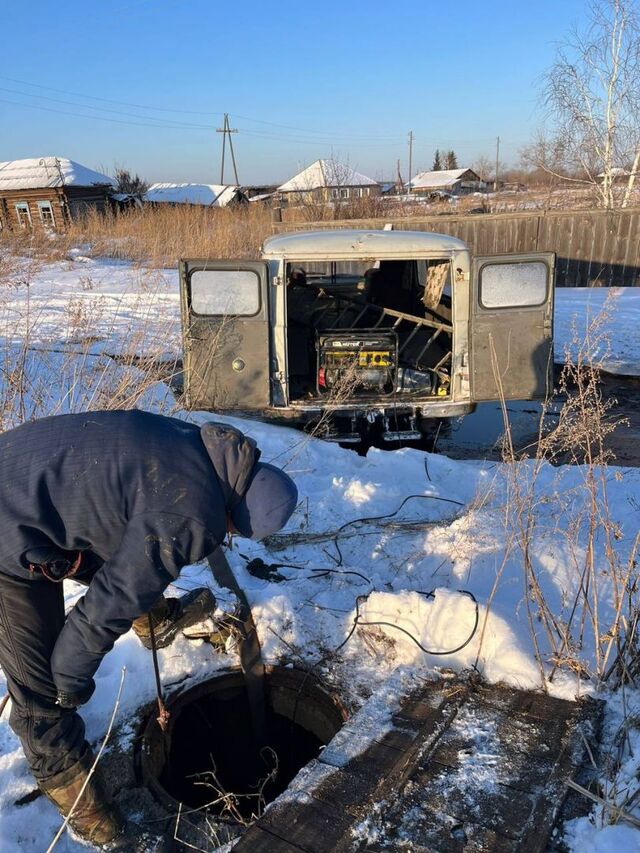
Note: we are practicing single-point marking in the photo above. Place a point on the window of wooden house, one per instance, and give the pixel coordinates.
(23, 213)
(46, 214)
(344, 193)
(335, 193)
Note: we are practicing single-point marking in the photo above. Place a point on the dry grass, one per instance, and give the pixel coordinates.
(601, 613)
(156, 237)
(89, 359)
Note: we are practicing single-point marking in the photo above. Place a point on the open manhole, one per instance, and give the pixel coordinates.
(209, 751)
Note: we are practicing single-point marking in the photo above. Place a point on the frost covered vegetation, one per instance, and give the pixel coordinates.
(547, 544)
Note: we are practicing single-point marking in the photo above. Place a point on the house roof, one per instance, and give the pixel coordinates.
(325, 173)
(441, 178)
(43, 172)
(208, 195)
(352, 243)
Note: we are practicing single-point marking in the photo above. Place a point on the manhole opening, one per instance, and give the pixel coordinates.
(210, 758)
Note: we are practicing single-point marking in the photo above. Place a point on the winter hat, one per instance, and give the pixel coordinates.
(267, 504)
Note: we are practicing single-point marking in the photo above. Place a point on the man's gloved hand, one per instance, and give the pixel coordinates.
(70, 701)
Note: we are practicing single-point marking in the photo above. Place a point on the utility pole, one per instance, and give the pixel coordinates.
(227, 130)
(410, 159)
(495, 183)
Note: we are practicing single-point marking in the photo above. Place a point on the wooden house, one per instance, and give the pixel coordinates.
(46, 193)
(453, 181)
(327, 182)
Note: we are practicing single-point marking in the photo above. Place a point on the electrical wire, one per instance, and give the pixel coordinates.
(331, 136)
(431, 594)
(103, 109)
(374, 518)
(99, 118)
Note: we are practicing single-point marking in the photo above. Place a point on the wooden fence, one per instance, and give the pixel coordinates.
(594, 248)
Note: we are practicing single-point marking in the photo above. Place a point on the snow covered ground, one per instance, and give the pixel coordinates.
(411, 531)
(128, 308)
(617, 348)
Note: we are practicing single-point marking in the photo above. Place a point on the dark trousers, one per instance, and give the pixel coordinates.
(31, 617)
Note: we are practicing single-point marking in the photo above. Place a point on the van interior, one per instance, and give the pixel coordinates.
(369, 329)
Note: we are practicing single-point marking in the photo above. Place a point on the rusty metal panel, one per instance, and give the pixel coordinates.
(512, 352)
(226, 356)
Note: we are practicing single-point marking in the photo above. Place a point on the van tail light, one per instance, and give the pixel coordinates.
(322, 379)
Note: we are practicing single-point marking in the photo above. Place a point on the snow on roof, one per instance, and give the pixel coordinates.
(208, 195)
(441, 178)
(325, 173)
(41, 172)
(261, 197)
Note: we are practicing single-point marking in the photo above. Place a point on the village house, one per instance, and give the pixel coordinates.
(327, 181)
(45, 193)
(203, 195)
(454, 181)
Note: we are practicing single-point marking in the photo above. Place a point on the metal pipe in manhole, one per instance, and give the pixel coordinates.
(209, 762)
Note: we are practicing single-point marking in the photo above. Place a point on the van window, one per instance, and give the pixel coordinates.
(519, 284)
(224, 292)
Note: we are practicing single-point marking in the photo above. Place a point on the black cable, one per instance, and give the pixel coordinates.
(373, 518)
(431, 594)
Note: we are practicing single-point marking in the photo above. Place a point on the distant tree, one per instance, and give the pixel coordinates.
(130, 184)
(484, 167)
(437, 162)
(450, 160)
(592, 92)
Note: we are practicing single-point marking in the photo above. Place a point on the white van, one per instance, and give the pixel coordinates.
(348, 331)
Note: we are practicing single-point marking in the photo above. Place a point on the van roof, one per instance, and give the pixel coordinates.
(351, 243)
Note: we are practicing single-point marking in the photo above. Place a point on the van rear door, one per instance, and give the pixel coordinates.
(511, 340)
(225, 327)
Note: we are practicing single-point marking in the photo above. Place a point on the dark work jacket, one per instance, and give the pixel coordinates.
(145, 493)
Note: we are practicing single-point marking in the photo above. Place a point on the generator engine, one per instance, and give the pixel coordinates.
(364, 361)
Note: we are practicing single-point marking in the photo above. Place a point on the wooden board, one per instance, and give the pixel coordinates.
(461, 767)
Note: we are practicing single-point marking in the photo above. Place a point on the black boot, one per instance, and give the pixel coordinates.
(169, 616)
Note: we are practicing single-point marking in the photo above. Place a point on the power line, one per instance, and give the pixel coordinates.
(307, 137)
(147, 107)
(102, 118)
(105, 109)
(105, 100)
(161, 124)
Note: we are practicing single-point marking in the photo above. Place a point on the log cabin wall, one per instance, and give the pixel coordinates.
(65, 203)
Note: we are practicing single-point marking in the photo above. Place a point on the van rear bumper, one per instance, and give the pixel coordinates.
(436, 409)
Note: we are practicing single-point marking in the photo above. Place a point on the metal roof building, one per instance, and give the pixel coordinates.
(446, 180)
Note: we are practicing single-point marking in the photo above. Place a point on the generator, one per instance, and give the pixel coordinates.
(360, 361)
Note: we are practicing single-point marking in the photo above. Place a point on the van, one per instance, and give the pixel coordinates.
(345, 332)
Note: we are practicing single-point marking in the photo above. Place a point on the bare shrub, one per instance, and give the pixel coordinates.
(598, 615)
(93, 361)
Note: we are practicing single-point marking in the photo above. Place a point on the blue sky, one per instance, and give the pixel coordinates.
(144, 83)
